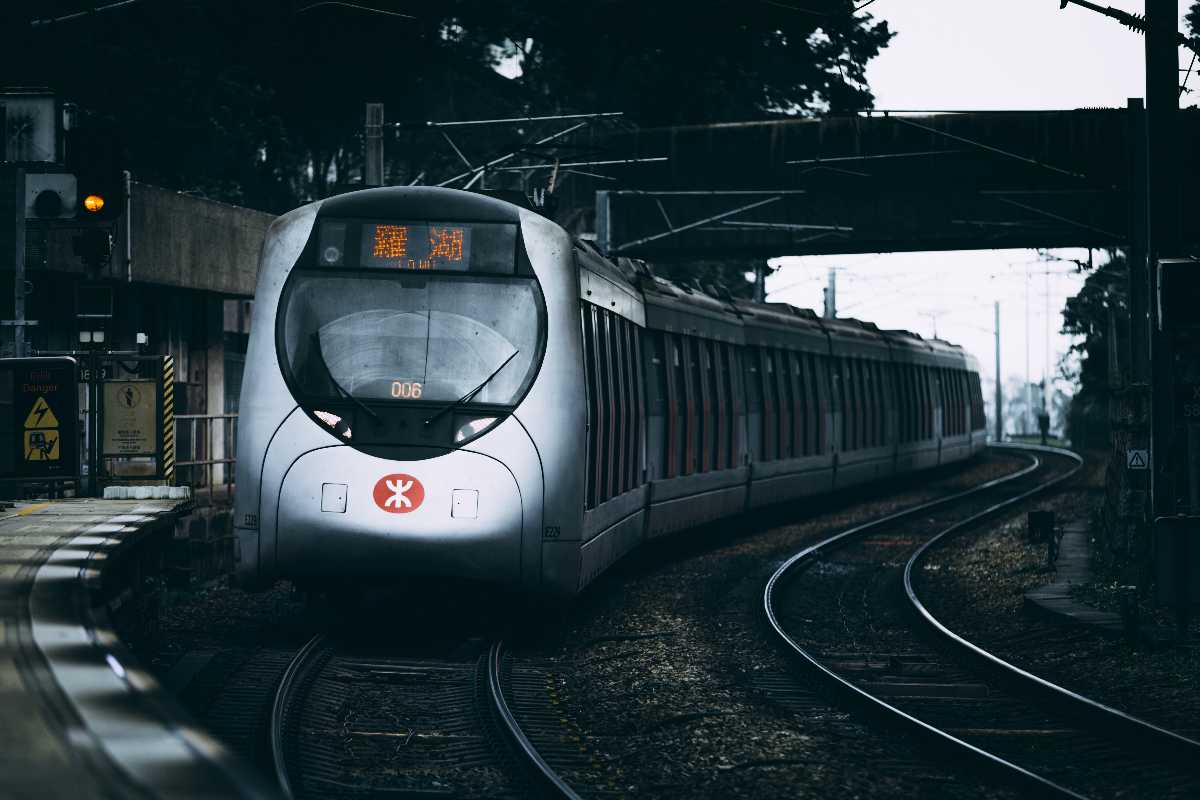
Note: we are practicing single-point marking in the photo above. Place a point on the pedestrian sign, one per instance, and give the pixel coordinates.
(1137, 459)
(40, 416)
(42, 445)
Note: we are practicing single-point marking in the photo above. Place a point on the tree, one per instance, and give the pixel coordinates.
(1086, 315)
(261, 104)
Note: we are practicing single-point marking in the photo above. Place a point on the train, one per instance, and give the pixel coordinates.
(444, 385)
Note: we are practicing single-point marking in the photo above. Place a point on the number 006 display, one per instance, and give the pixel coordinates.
(406, 390)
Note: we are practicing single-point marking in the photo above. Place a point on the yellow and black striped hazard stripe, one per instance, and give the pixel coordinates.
(168, 419)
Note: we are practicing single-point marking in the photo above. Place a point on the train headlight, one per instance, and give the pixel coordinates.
(467, 428)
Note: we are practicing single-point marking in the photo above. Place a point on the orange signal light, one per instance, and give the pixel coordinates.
(93, 202)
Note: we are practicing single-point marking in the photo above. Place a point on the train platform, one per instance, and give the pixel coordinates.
(1072, 568)
(78, 716)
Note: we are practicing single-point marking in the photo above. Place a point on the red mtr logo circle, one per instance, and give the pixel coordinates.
(399, 493)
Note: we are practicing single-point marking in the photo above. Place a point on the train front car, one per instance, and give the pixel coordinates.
(410, 378)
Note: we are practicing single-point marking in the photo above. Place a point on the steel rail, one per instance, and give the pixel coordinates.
(279, 709)
(1145, 733)
(1030, 779)
(551, 779)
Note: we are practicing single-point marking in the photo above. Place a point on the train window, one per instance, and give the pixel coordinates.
(675, 406)
(910, 410)
(818, 373)
(682, 405)
(752, 386)
(638, 413)
(770, 429)
(604, 353)
(952, 379)
(963, 400)
(721, 383)
(654, 367)
(696, 416)
(881, 425)
(977, 417)
(870, 391)
(734, 385)
(915, 400)
(361, 335)
(590, 367)
(855, 405)
(712, 413)
(619, 386)
(784, 403)
(811, 411)
(799, 415)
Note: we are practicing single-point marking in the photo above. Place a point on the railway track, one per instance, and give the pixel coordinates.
(848, 609)
(354, 722)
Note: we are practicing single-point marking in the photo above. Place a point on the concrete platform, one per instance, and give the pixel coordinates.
(1073, 568)
(78, 716)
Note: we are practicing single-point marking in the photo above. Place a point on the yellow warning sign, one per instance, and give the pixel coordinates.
(41, 445)
(40, 416)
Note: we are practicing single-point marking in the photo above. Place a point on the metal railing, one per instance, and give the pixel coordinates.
(206, 451)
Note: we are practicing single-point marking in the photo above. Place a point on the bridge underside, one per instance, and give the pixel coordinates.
(879, 182)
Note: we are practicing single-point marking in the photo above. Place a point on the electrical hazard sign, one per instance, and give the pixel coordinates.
(41, 416)
(42, 445)
(41, 433)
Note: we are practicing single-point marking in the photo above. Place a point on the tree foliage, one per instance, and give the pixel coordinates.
(1086, 315)
(261, 103)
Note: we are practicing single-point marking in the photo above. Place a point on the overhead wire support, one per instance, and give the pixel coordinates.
(1135, 22)
(477, 172)
(505, 120)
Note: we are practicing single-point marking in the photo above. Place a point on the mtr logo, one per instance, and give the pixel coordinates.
(399, 493)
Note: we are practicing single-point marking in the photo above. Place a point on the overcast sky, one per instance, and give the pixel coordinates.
(980, 54)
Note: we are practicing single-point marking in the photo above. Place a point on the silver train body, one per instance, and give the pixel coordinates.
(441, 384)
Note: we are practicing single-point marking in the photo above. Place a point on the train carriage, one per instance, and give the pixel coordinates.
(442, 384)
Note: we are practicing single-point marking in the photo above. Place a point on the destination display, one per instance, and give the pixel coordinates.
(418, 246)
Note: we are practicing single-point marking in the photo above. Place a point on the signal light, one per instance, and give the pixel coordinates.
(93, 203)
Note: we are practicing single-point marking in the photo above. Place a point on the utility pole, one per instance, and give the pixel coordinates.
(999, 386)
(1162, 103)
(1047, 368)
(1027, 417)
(831, 295)
(1139, 279)
(373, 137)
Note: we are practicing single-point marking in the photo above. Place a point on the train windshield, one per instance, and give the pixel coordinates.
(412, 338)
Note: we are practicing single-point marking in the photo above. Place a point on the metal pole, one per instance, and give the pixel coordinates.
(999, 386)
(1162, 104)
(1139, 279)
(831, 295)
(19, 264)
(1027, 418)
(373, 134)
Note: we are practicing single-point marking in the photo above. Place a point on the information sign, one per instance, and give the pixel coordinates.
(130, 425)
